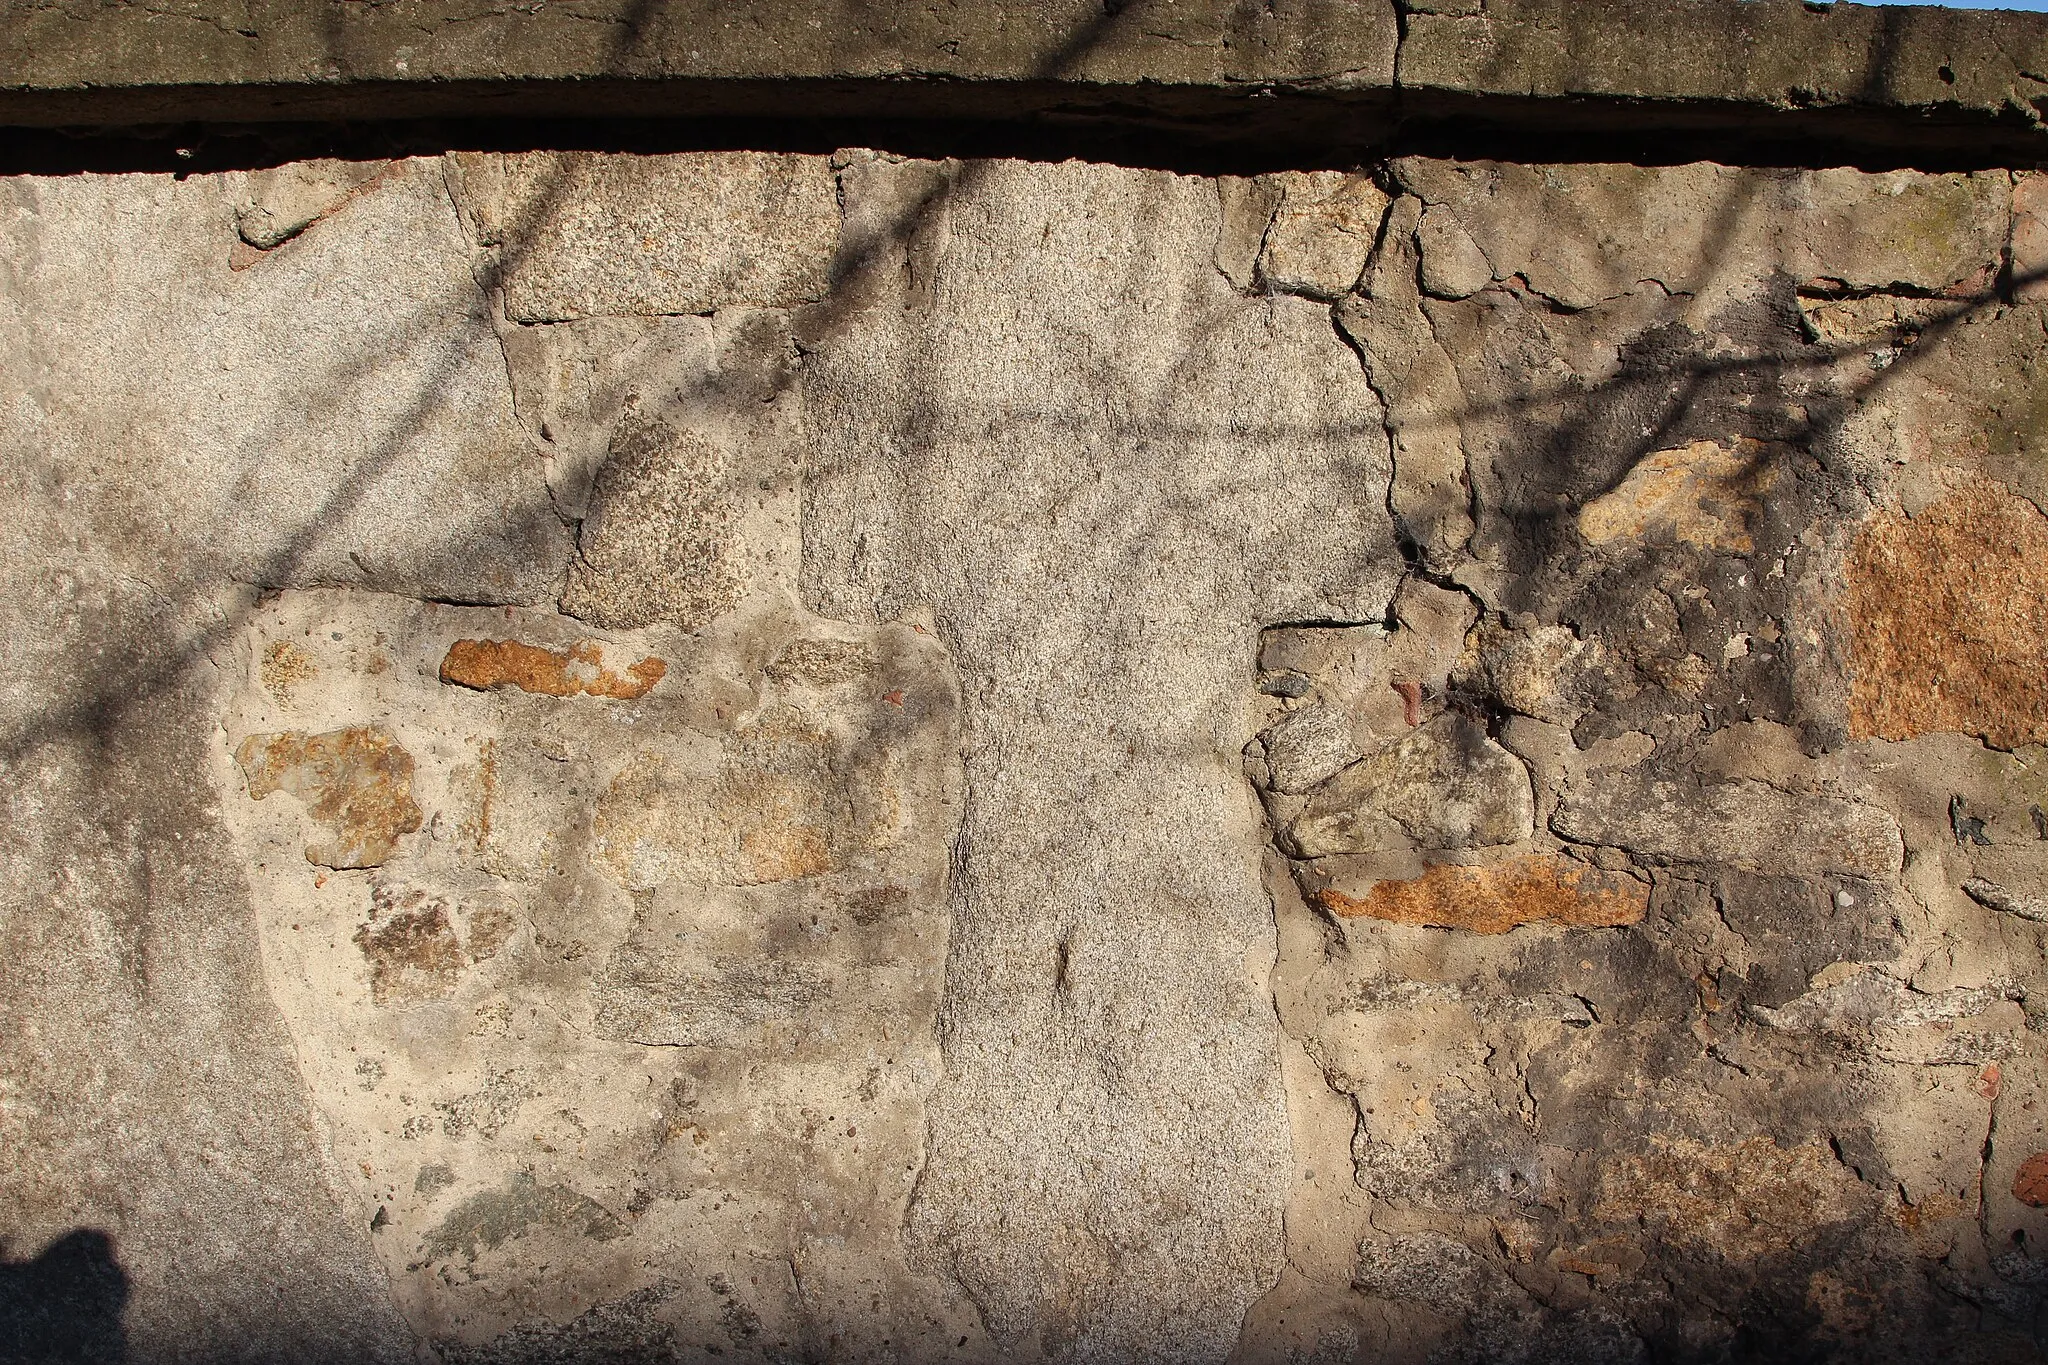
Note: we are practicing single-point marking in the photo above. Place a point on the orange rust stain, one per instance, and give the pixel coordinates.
(1542, 888)
(357, 782)
(1948, 621)
(578, 671)
(2030, 1182)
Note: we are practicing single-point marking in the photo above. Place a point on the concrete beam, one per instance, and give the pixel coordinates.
(1286, 80)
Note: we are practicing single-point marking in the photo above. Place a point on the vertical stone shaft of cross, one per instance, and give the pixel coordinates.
(1051, 423)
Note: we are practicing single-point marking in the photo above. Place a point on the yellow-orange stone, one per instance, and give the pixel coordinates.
(578, 671)
(1542, 888)
(1704, 494)
(1948, 621)
(357, 782)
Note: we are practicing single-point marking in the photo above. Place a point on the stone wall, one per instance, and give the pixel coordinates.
(859, 757)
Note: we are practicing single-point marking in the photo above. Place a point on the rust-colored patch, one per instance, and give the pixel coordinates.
(1607, 1256)
(2030, 1182)
(412, 956)
(1948, 621)
(1411, 702)
(578, 671)
(284, 667)
(1542, 888)
(779, 853)
(1704, 494)
(1742, 1200)
(357, 782)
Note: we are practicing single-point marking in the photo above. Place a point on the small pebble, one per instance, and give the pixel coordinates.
(1843, 900)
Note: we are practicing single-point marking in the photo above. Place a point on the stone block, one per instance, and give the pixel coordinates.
(1497, 897)
(1444, 785)
(1947, 619)
(595, 235)
(1744, 824)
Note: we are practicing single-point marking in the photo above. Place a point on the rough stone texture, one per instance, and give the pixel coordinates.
(642, 1022)
(1320, 233)
(1688, 438)
(1444, 785)
(1696, 229)
(1703, 494)
(1101, 471)
(336, 413)
(598, 235)
(1968, 562)
(1429, 762)
(1776, 53)
(2030, 237)
(309, 47)
(285, 200)
(1742, 1201)
(1310, 72)
(1748, 824)
(663, 500)
(178, 436)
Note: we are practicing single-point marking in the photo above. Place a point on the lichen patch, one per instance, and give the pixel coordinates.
(356, 782)
(412, 956)
(284, 667)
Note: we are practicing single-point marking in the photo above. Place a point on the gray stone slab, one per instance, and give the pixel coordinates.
(1060, 432)
(287, 54)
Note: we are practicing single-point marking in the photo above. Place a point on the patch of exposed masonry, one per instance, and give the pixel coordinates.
(1656, 768)
(613, 960)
